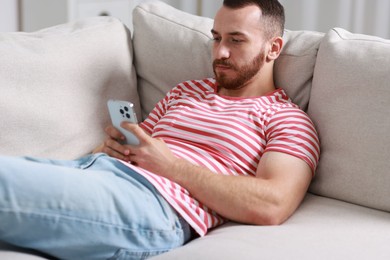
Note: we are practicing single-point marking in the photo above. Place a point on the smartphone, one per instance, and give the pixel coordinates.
(123, 111)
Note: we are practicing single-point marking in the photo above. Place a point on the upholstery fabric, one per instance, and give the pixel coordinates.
(321, 228)
(55, 83)
(349, 105)
(295, 66)
(171, 46)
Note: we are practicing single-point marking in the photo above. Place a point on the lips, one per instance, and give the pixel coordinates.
(222, 65)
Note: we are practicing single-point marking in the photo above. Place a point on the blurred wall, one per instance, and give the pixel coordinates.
(358, 16)
(9, 16)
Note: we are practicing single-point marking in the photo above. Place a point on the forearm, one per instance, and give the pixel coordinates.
(269, 198)
(243, 199)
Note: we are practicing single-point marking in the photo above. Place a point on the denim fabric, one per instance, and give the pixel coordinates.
(91, 208)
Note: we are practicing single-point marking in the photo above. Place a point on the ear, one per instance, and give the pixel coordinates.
(276, 45)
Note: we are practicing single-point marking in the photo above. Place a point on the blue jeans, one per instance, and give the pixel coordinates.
(91, 208)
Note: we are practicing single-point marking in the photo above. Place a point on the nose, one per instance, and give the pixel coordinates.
(221, 51)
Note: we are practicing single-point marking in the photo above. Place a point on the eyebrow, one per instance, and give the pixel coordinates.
(235, 33)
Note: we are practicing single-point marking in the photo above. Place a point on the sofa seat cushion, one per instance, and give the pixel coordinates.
(55, 83)
(9, 252)
(322, 228)
(349, 104)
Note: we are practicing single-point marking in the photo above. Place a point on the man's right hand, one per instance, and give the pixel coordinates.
(112, 146)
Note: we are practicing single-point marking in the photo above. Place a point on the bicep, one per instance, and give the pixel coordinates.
(289, 176)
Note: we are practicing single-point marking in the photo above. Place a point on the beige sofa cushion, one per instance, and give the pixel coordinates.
(321, 229)
(55, 83)
(172, 46)
(349, 105)
(295, 66)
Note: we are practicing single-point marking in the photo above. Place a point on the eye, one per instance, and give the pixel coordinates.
(216, 38)
(234, 40)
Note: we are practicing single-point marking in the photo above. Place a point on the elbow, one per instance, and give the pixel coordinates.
(273, 216)
(274, 220)
(274, 212)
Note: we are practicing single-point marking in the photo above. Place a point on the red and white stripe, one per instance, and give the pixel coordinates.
(227, 136)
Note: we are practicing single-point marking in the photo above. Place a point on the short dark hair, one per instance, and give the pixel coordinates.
(272, 14)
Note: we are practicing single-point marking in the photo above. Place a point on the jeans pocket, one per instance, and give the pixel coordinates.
(124, 254)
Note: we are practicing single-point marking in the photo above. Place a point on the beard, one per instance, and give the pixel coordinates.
(244, 73)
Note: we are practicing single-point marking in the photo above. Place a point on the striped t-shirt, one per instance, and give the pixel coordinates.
(226, 135)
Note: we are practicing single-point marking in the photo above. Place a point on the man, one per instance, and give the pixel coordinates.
(230, 148)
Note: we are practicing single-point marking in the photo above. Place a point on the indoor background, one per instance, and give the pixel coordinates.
(358, 16)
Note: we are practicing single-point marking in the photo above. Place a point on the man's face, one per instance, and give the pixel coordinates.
(239, 47)
(239, 74)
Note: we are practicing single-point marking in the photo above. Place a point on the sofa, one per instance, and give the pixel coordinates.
(55, 83)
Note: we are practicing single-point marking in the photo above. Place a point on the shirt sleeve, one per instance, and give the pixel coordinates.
(291, 131)
(159, 110)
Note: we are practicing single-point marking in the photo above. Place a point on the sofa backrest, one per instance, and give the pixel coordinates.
(170, 46)
(55, 83)
(350, 105)
(295, 66)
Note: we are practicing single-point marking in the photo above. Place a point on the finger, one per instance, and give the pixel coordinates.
(113, 147)
(114, 154)
(114, 133)
(136, 130)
